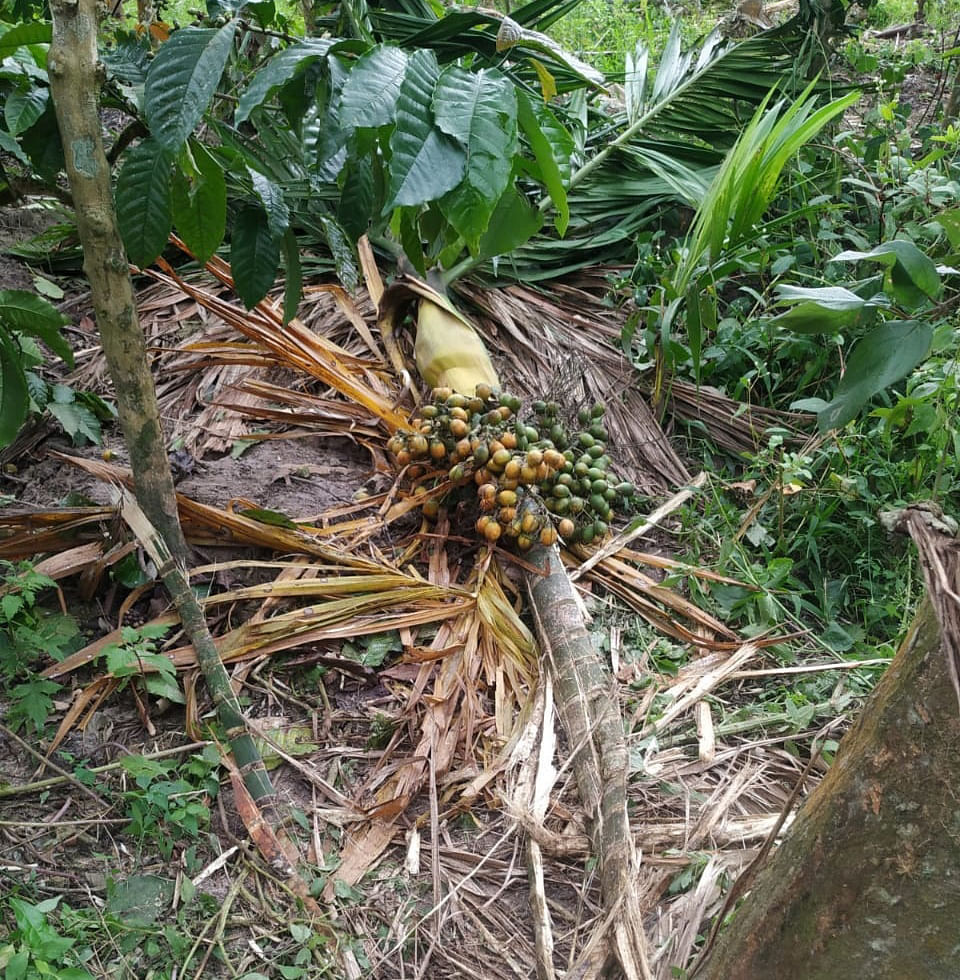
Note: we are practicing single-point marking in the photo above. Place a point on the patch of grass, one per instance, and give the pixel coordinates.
(602, 32)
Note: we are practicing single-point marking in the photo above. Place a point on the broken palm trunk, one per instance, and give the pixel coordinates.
(864, 885)
(589, 707)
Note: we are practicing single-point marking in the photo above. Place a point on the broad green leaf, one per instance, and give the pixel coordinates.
(826, 310)
(9, 145)
(479, 110)
(182, 79)
(552, 147)
(913, 275)
(513, 223)
(271, 197)
(23, 109)
(369, 97)
(425, 163)
(22, 34)
(280, 69)
(829, 297)
(293, 287)
(199, 204)
(406, 229)
(42, 144)
(813, 318)
(357, 197)
(127, 61)
(143, 201)
(254, 255)
(14, 397)
(342, 252)
(32, 315)
(77, 420)
(885, 355)
(950, 222)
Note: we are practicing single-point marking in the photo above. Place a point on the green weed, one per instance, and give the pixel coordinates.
(28, 634)
(36, 949)
(170, 801)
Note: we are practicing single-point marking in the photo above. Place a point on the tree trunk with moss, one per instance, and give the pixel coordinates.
(867, 882)
(75, 76)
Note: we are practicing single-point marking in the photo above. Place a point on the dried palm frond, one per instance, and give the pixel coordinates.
(295, 346)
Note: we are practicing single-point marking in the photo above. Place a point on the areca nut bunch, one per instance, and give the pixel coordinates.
(532, 483)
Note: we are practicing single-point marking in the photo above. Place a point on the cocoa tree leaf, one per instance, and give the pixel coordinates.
(479, 110)
(199, 204)
(182, 79)
(23, 109)
(425, 163)
(254, 255)
(143, 201)
(293, 288)
(17, 37)
(271, 197)
(28, 313)
(14, 397)
(369, 96)
(280, 69)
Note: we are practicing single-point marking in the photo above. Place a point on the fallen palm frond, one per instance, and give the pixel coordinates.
(491, 649)
(460, 693)
(729, 424)
(24, 534)
(294, 345)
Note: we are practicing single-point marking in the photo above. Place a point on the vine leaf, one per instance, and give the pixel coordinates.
(884, 356)
(913, 276)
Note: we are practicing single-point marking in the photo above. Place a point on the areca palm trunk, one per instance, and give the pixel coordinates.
(865, 882)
